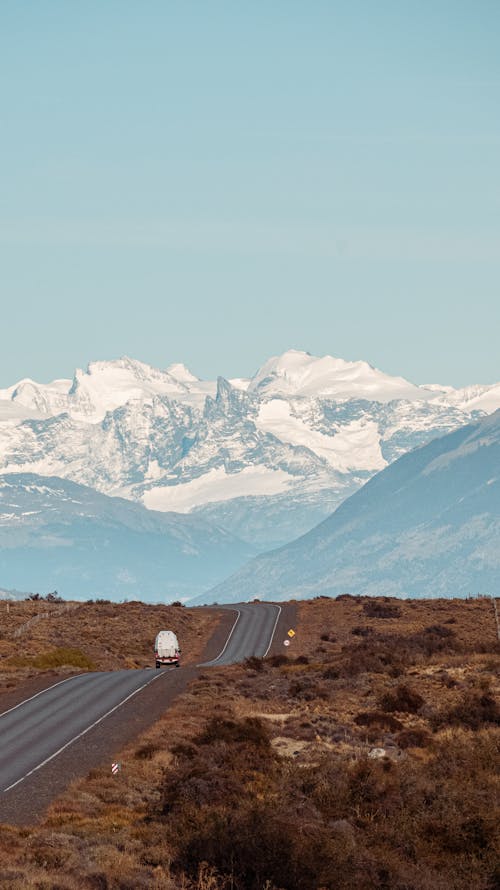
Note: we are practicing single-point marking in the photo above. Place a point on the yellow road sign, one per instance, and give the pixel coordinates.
(291, 633)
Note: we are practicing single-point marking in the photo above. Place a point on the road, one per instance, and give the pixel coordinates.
(40, 728)
(252, 632)
(39, 735)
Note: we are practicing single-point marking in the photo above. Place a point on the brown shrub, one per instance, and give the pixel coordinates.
(277, 660)
(374, 789)
(308, 689)
(147, 751)
(302, 659)
(473, 710)
(393, 653)
(432, 640)
(377, 609)
(227, 756)
(184, 749)
(378, 719)
(438, 630)
(331, 673)
(249, 730)
(258, 845)
(374, 655)
(403, 698)
(413, 738)
(254, 663)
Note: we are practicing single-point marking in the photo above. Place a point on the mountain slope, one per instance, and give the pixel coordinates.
(265, 458)
(55, 534)
(428, 525)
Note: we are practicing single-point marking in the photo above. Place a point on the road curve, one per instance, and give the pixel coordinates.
(41, 728)
(252, 633)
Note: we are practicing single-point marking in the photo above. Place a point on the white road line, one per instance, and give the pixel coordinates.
(85, 731)
(42, 691)
(208, 663)
(274, 628)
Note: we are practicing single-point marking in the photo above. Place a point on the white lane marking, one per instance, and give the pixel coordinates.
(208, 663)
(42, 691)
(85, 731)
(274, 628)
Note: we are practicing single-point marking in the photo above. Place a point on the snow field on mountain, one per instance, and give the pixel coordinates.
(217, 485)
(355, 447)
(298, 436)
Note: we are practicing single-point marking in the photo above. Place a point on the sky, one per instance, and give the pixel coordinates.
(215, 183)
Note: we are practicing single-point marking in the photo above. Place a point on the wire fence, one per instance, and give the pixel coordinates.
(41, 616)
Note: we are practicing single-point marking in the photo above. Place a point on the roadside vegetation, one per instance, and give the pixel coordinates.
(40, 635)
(364, 755)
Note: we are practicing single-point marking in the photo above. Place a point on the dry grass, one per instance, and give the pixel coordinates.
(92, 636)
(260, 776)
(472, 621)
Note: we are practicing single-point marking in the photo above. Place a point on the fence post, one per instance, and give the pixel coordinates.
(495, 610)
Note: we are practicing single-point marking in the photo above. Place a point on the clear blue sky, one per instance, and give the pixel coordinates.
(217, 182)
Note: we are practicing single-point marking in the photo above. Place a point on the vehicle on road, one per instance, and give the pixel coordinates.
(167, 649)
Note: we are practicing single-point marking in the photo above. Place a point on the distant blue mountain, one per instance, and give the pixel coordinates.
(58, 535)
(427, 525)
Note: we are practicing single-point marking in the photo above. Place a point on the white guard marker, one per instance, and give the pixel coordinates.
(286, 642)
(115, 768)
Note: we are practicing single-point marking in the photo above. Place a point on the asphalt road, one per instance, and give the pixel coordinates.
(38, 729)
(252, 632)
(38, 734)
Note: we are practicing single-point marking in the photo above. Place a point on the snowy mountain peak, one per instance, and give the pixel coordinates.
(105, 386)
(179, 372)
(267, 457)
(300, 374)
(127, 370)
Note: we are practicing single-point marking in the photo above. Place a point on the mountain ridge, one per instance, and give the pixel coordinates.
(58, 534)
(266, 457)
(429, 524)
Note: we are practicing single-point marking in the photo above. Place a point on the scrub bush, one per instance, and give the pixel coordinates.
(403, 698)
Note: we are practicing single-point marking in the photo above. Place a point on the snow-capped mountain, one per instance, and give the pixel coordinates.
(55, 534)
(102, 388)
(266, 458)
(428, 525)
(300, 374)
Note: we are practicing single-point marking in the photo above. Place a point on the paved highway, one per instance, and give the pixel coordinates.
(39, 729)
(252, 632)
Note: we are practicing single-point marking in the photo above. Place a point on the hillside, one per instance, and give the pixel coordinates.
(366, 756)
(39, 637)
(427, 524)
(58, 535)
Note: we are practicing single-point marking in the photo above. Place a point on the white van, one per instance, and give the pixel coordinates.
(167, 648)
